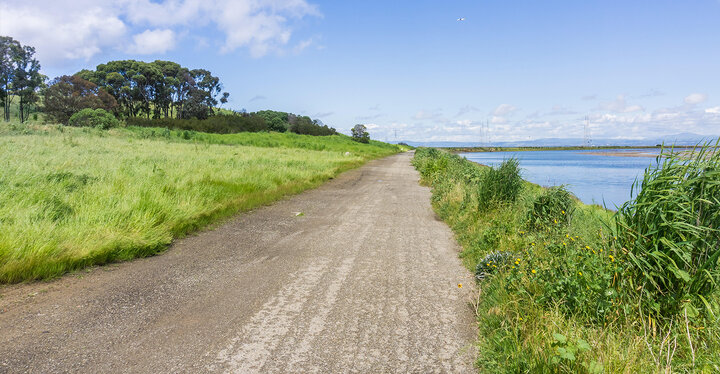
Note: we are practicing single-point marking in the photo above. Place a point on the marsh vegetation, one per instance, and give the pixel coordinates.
(567, 287)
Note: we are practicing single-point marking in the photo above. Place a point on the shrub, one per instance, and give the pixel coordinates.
(67, 95)
(217, 124)
(360, 134)
(551, 209)
(671, 232)
(98, 118)
(492, 263)
(500, 185)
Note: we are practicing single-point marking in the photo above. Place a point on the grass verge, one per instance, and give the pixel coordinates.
(567, 287)
(76, 197)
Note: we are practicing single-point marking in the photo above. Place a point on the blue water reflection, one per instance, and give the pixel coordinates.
(594, 178)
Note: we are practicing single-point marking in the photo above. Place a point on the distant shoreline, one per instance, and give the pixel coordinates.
(567, 148)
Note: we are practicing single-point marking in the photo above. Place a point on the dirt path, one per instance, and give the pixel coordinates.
(365, 281)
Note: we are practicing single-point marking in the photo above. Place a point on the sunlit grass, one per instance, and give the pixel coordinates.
(562, 302)
(71, 198)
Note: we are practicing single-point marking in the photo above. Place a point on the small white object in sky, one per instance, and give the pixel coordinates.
(461, 19)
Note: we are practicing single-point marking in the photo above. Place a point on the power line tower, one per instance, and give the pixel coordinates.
(396, 139)
(488, 138)
(587, 139)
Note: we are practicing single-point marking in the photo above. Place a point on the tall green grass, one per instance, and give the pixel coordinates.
(71, 198)
(559, 290)
(671, 233)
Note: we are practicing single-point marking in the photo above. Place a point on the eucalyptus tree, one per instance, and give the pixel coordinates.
(19, 77)
(158, 88)
(67, 95)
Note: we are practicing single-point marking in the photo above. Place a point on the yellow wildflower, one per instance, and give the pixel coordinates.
(580, 273)
(612, 258)
(533, 271)
(459, 285)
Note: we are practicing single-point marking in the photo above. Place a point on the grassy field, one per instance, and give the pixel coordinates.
(71, 197)
(572, 288)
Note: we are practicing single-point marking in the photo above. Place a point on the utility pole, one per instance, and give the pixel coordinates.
(587, 140)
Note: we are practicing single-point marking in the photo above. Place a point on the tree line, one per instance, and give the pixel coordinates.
(149, 94)
(158, 89)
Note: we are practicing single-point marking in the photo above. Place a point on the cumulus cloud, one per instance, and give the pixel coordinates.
(63, 31)
(695, 98)
(504, 110)
(620, 105)
(81, 29)
(153, 41)
(713, 110)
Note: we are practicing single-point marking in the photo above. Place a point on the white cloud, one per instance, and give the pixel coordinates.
(81, 29)
(695, 98)
(504, 110)
(153, 41)
(620, 105)
(713, 110)
(60, 31)
(498, 120)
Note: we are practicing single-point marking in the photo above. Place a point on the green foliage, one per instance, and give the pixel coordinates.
(98, 118)
(67, 95)
(492, 263)
(572, 285)
(671, 232)
(276, 121)
(157, 89)
(77, 197)
(360, 134)
(217, 124)
(20, 77)
(500, 185)
(551, 209)
(305, 126)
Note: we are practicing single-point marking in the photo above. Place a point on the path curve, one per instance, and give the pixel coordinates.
(366, 280)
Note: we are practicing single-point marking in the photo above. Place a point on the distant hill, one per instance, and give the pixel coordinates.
(677, 139)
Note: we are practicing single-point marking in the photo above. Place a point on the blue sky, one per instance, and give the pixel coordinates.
(530, 69)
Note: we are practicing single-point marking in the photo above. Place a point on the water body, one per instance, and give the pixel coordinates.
(594, 177)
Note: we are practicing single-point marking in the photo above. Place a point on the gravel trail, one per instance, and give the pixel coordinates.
(365, 281)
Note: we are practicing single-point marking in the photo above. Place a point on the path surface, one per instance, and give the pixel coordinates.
(365, 281)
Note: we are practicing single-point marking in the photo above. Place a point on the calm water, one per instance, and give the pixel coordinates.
(594, 179)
